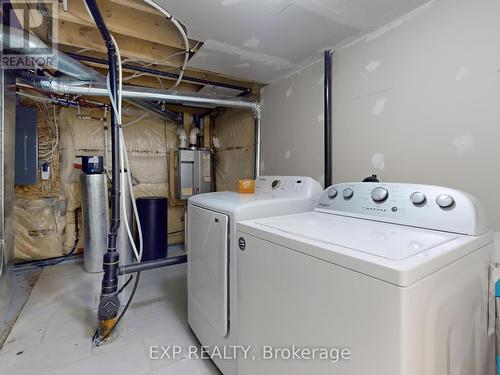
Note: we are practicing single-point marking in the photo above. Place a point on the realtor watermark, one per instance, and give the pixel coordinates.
(29, 34)
(266, 352)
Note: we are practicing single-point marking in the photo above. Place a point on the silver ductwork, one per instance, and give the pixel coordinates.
(60, 62)
(72, 87)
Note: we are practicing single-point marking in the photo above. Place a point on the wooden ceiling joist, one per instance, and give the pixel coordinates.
(145, 38)
(127, 21)
(88, 38)
(196, 73)
(149, 81)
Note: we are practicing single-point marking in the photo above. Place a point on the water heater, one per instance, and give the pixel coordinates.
(194, 172)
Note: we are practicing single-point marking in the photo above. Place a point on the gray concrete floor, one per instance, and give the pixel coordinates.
(22, 285)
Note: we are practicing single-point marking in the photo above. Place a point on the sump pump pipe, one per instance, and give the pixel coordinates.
(109, 302)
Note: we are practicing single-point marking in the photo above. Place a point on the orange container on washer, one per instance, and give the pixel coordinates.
(246, 186)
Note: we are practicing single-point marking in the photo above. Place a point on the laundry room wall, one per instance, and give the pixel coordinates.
(414, 101)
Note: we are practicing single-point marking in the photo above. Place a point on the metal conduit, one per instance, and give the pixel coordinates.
(142, 93)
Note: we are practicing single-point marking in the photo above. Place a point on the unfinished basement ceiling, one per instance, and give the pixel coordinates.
(261, 40)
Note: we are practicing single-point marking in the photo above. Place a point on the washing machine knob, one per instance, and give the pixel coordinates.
(418, 198)
(347, 193)
(332, 193)
(379, 194)
(445, 200)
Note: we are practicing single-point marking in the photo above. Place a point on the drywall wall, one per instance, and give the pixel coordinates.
(415, 101)
(292, 125)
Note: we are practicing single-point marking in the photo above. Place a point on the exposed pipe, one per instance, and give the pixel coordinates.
(182, 137)
(143, 93)
(193, 136)
(244, 90)
(109, 302)
(328, 117)
(152, 264)
(181, 30)
(172, 116)
(258, 141)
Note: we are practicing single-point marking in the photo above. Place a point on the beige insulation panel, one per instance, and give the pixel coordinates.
(234, 142)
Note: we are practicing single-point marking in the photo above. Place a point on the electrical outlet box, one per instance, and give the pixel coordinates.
(45, 171)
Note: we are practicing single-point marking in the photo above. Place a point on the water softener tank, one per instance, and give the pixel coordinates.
(95, 212)
(153, 216)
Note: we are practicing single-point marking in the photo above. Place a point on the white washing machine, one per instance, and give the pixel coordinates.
(211, 246)
(396, 275)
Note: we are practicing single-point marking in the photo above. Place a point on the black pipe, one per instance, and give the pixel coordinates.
(109, 302)
(152, 264)
(328, 117)
(172, 116)
(244, 90)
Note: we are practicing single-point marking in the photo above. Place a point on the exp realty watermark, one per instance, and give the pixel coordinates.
(266, 352)
(29, 34)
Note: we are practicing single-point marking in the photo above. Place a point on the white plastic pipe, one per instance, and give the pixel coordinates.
(181, 31)
(182, 137)
(193, 135)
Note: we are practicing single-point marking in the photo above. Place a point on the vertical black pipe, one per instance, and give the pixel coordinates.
(109, 302)
(328, 88)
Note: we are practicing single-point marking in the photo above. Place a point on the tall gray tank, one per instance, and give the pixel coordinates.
(95, 219)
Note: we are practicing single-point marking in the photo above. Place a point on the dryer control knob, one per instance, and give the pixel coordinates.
(379, 194)
(332, 193)
(445, 200)
(347, 193)
(418, 198)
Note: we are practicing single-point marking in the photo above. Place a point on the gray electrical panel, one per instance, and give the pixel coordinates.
(194, 172)
(26, 162)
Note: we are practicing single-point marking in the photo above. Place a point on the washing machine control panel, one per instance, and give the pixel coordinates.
(423, 206)
(287, 186)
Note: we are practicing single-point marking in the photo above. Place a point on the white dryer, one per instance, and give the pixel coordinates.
(394, 274)
(211, 246)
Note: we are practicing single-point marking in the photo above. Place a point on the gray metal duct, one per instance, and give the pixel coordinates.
(66, 64)
(61, 62)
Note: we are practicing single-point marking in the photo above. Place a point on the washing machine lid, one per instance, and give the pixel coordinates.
(395, 253)
(380, 240)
